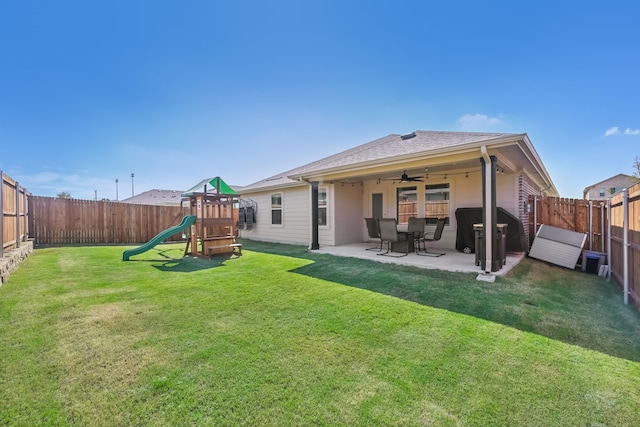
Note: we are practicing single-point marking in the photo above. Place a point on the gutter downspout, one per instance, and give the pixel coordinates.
(487, 211)
(535, 217)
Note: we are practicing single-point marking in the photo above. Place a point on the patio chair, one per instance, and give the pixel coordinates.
(389, 233)
(415, 228)
(437, 234)
(374, 232)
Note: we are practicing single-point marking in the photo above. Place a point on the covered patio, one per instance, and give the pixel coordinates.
(429, 175)
(451, 261)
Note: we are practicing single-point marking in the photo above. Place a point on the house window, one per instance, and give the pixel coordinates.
(276, 209)
(436, 202)
(602, 193)
(322, 206)
(407, 200)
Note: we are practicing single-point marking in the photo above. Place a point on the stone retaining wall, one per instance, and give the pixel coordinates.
(12, 259)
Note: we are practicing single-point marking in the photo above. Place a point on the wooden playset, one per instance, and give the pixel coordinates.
(214, 231)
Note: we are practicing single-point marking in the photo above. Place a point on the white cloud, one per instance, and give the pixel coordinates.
(612, 131)
(615, 130)
(478, 121)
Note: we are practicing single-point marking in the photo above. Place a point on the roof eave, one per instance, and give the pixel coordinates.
(272, 187)
(415, 157)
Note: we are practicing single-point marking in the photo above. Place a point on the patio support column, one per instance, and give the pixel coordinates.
(314, 216)
(489, 212)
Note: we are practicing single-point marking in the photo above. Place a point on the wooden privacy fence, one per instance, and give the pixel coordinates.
(55, 221)
(14, 208)
(612, 226)
(579, 215)
(624, 244)
(432, 209)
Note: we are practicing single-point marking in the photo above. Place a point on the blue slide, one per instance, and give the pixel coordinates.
(186, 222)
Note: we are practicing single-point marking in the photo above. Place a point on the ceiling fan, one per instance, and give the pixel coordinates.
(406, 178)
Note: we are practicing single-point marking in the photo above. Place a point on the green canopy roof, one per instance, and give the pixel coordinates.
(216, 183)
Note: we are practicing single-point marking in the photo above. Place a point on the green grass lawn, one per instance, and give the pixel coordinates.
(284, 337)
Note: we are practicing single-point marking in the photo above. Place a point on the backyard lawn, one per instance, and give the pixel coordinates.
(283, 337)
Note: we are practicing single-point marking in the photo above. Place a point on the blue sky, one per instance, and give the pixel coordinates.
(175, 92)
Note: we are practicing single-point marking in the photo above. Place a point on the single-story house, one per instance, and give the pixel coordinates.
(605, 189)
(424, 173)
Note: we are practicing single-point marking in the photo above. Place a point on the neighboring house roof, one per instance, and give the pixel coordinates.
(395, 149)
(156, 197)
(604, 181)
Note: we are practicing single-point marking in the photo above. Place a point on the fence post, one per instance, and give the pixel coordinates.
(26, 213)
(590, 225)
(17, 214)
(609, 238)
(1, 214)
(602, 227)
(625, 243)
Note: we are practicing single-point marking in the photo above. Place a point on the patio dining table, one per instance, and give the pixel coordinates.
(399, 247)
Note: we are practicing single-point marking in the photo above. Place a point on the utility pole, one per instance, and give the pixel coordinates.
(96, 194)
(131, 184)
(116, 189)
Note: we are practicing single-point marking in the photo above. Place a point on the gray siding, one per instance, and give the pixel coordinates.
(348, 214)
(608, 187)
(295, 228)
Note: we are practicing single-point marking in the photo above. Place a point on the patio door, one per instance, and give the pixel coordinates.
(376, 205)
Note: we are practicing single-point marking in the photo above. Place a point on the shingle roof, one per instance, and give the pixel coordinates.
(156, 197)
(383, 149)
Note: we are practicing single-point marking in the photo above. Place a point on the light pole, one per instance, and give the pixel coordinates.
(131, 184)
(116, 189)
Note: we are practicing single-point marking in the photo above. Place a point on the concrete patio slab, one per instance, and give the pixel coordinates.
(451, 261)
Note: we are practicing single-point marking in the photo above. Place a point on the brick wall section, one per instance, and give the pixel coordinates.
(525, 188)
